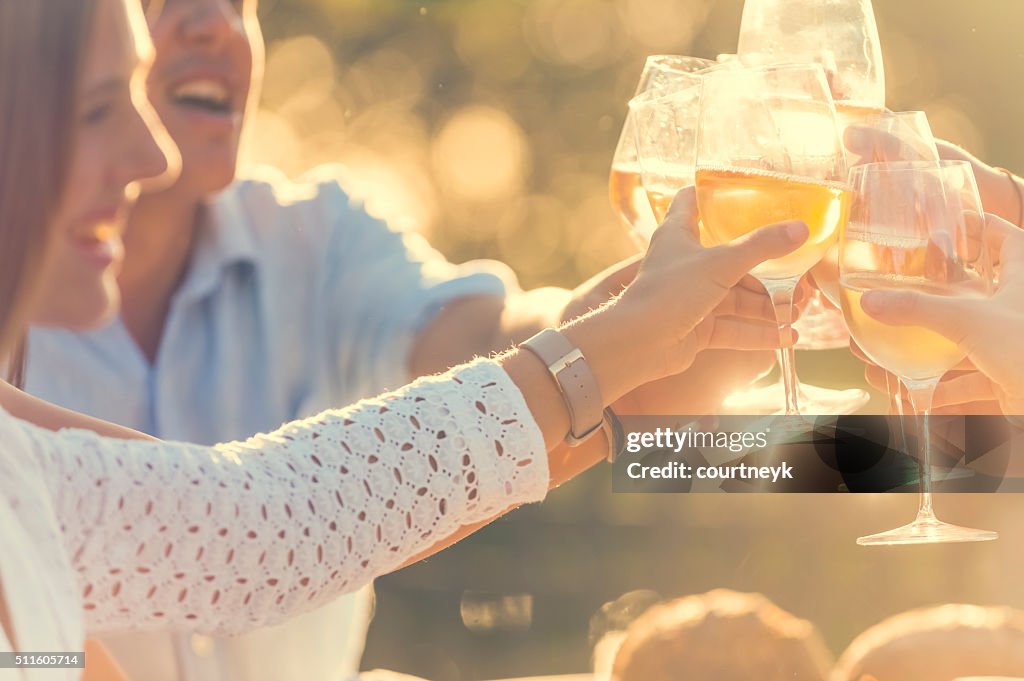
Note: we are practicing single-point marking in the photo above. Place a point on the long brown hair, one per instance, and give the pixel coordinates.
(42, 48)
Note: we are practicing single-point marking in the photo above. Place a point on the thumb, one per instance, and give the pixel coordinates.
(681, 219)
(952, 317)
(738, 257)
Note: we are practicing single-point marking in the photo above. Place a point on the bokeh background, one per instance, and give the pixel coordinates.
(488, 125)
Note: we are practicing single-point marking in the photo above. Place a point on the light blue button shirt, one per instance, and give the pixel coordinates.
(296, 300)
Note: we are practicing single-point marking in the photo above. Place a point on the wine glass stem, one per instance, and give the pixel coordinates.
(894, 386)
(921, 394)
(781, 293)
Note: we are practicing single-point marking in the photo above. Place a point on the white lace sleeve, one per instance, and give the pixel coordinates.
(240, 535)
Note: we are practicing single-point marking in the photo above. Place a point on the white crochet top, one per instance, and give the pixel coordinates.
(135, 534)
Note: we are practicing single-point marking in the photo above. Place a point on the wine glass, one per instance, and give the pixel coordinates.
(660, 73)
(914, 226)
(896, 136)
(769, 150)
(841, 35)
(665, 140)
(665, 124)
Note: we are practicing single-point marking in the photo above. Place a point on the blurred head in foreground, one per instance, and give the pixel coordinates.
(938, 644)
(721, 636)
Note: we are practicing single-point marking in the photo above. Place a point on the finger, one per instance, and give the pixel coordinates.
(751, 283)
(950, 152)
(877, 377)
(952, 317)
(1005, 242)
(743, 303)
(965, 389)
(974, 232)
(984, 408)
(680, 223)
(730, 262)
(733, 333)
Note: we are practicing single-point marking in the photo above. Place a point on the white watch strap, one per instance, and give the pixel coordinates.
(577, 382)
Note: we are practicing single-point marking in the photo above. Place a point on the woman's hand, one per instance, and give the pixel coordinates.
(988, 329)
(1000, 194)
(656, 327)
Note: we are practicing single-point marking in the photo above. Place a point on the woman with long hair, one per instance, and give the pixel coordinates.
(108, 530)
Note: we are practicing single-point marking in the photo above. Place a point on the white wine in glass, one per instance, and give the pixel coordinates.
(914, 226)
(769, 150)
(842, 36)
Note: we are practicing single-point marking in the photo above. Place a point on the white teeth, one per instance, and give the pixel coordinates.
(209, 90)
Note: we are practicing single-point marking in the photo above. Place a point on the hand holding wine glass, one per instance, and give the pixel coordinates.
(962, 391)
(914, 228)
(979, 328)
(786, 164)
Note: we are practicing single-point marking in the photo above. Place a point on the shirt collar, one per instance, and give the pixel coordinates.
(225, 242)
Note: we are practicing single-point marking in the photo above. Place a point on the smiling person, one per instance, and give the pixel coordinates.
(108, 529)
(248, 303)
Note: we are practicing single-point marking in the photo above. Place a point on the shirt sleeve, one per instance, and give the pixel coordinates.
(385, 285)
(227, 538)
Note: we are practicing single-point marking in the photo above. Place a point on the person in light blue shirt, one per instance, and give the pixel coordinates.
(248, 303)
(294, 299)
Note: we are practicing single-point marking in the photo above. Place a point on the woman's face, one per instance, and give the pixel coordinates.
(115, 146)
(208, 67)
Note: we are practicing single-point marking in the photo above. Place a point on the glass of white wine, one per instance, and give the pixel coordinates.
(914, 226)
(842, 36)
(661, 73)
(769, 150)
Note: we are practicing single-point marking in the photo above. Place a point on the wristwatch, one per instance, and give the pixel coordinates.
(579, 389)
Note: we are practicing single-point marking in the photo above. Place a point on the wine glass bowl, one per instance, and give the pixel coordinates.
(788, 165)
(840, 35)
(895, 136)
(665, 129)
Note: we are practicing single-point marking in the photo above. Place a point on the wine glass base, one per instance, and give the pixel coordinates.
(927, 531)
(813, 400)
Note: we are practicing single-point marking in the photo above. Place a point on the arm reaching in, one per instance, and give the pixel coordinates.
(245, 534)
